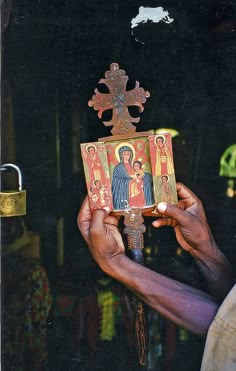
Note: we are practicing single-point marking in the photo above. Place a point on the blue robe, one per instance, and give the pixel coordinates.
(120, 187)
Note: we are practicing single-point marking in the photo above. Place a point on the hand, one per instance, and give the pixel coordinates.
(188, 220)
(101, 234)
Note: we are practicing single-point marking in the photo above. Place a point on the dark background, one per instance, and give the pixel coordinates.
(54, 53)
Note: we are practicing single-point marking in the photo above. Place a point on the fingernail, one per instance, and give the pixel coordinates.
(162, 206)
(107, 208)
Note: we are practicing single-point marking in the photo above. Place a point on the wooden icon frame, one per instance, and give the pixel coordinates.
(146, 179)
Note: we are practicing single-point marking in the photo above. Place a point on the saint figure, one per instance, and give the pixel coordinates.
(96, 171)
(99, 195)
(164, 163)
(166, 190)
(136, 186)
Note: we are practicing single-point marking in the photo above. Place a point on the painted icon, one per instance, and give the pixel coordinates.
(130, 170)
(97, 175)
(137, 172)
(161, 154)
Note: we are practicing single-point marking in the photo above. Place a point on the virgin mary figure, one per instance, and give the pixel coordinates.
(123, 174)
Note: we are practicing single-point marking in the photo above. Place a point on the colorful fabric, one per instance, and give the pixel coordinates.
(86, 322)
(26, 305)
(94, 317)
(64, 305)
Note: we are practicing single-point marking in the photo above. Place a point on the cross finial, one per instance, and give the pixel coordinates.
(119, 100)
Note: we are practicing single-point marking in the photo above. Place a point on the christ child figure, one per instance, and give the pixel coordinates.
(136, 186)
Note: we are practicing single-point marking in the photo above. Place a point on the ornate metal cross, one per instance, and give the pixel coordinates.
(119, 99)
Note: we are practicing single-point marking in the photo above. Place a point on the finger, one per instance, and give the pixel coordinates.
(185, 193)
(85, 204)
(83, 219)
(162, 222)
(111, 220)
(97, 225)
(181, 216)
(84, 212)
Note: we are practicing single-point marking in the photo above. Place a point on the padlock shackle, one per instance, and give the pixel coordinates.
(3, 167)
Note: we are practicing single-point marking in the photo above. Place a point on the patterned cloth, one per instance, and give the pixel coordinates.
(64, 305)
(25, 307)
(94, 317)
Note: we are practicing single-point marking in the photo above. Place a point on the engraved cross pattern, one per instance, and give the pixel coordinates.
(134, 229)
(118, 100)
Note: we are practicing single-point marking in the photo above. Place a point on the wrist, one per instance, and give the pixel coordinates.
(113, 265)
(204, 249)
(210, 259)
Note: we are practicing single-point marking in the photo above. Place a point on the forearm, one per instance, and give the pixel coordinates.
(215, 268)
(183, 305)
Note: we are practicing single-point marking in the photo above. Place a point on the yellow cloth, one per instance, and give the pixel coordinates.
(220, 348)
(106, 301)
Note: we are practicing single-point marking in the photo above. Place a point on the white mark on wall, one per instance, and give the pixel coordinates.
(155, 15)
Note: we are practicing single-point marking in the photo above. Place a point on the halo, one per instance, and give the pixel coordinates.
(126, 144)
(91, 145)
(167, 176)
(173, 132)
(162, 136)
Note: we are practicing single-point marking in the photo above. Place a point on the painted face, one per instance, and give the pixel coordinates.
(164, 180)
(160, 142)
(136, 166)
(91, 151)
(126, 156)
(98, 184)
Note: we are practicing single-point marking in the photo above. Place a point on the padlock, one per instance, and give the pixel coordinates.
(13, 202)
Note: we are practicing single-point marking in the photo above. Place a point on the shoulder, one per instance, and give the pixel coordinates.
(220, 348)
(119, 166)
(227, 310)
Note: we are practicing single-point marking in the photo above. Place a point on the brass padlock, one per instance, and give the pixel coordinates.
(13, 203)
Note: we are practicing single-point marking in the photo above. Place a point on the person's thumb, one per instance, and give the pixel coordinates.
(169, 210)
(97, 227)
